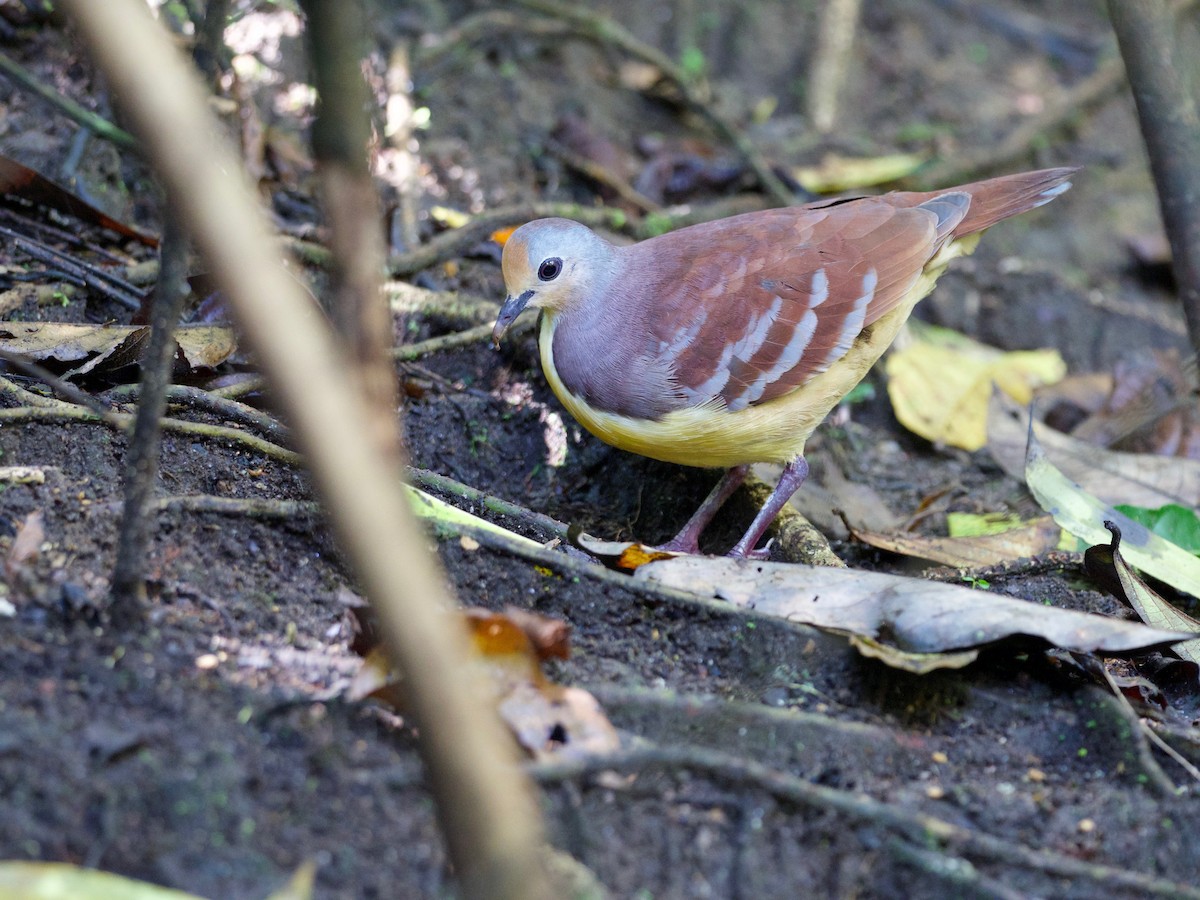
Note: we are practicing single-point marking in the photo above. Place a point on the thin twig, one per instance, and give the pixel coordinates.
(962, 878)
(400, 353)
(60, 386)
(476, 28)
(250, 507)
(603, 177)
(24, 397)
(68, 107)
(457, 306)
(547, 525)
(128, 591)
(410, 352)
(65, 412)
(920, 827)
(208, 401)
(95, 278)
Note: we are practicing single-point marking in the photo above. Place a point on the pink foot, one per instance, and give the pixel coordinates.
(793, 476)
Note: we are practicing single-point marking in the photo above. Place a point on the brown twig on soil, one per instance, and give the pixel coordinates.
(29, 225)
(128, 589)
(411, 352)
(60, 386)
(400, 353)
(795, 537)
(457, 306)
(1058, 114)
(523, 516)
(489, 821)
(26, 398)
(68, 107)
(920, 827)
(307, 251)
(1159, 67)
(97, 279)
(479, 27)
(67, 412)
(695, 94)
(961, 877)
(250, 507)
(198, 398)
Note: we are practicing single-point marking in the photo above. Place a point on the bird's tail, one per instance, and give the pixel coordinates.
(999, 198)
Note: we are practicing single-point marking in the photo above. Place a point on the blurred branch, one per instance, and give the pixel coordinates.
(839, 23)
(485, 807)
(336, 38)
(67, 106)
(1059, 113)
(1158, 72)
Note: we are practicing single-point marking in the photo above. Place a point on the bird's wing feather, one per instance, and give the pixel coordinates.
(794, 293)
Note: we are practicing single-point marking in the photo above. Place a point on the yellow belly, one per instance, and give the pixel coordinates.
(711, 436)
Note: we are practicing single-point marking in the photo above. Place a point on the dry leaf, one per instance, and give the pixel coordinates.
(21, 181)
(1083, 515)
(941, 383)
(26, 545)
(99, 348)
(623, 555)
(916, 663)
(911, 614)
(550, 637)
(971, 552)
(1135, 479)
(546, 718)
(1105, 563)
(840, 173)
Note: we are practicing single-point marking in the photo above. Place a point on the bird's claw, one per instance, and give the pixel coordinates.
(761, 554)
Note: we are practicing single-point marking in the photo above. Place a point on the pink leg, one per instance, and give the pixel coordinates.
(688, 540)
(793, 476)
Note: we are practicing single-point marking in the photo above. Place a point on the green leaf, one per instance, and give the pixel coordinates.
(1176, 523)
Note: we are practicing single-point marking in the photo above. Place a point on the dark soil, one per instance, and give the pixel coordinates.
(210, 751)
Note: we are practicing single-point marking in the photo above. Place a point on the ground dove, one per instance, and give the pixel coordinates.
(726, 343)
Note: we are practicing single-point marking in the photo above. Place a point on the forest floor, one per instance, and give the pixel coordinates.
(211, 751)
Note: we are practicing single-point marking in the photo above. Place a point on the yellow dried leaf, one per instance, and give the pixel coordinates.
(839, 173)
(940, 384)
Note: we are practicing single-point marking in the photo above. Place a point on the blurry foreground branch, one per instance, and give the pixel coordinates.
(486, 810)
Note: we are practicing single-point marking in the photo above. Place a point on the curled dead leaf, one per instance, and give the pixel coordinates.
(909, 614)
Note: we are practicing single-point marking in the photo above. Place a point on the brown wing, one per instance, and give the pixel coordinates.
(755, 312)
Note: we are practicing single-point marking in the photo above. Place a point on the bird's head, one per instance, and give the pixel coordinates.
(551, 264)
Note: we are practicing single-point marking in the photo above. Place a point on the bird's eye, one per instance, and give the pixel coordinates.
(550, 269)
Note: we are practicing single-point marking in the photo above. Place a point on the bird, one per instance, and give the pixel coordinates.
(727, 343)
